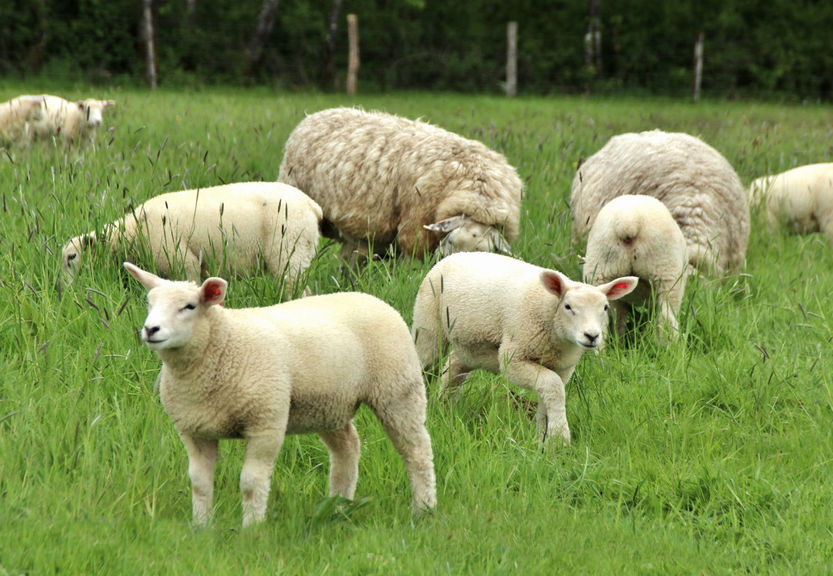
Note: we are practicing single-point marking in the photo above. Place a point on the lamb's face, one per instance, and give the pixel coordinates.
(72, 254)
(581, 313)
(173, 311)
(94, 111)
(582, 317)
(474, 237)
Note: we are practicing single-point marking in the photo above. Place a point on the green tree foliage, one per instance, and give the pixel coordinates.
(751, 47)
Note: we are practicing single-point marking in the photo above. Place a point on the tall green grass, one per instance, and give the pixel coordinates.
(709, 456)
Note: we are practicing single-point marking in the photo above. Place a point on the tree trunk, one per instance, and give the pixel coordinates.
(511, 58)
(150, 42)
(593, 42)
(265, 21)
(698, 67)
(353, 56)
(191, 12)
(328, 71)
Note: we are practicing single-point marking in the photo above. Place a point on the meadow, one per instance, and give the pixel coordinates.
(709, 456)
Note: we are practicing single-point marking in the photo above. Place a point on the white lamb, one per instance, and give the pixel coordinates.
(299, 367)
(507, 316)
(636, 235)
(16, 118)
(697, 184)
(72, 122)
(383, 179)
(244, 226)
(801, 198)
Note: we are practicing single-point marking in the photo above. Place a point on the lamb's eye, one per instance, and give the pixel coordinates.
(606, 307)
(71, 257)
(190, 307)
(568, 307)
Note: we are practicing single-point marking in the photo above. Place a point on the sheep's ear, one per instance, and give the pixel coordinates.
(146, 279)
(213, 291)
(108, 103)
(80, 105)
(555, 282)
(615, 289)
(447, 225)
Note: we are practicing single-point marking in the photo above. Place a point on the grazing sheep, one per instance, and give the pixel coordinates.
(383, 179)
(505, 315)
(801, 198)
(72, 122)
(636, 235)
(16, 117)
(244, 226)
(299, 367)
(697, 184)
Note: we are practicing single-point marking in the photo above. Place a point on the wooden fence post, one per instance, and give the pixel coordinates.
(698, 67)
(353, 55)
(511, 58)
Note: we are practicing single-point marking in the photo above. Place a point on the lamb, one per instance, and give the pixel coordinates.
(801, 198)
(507, 316)
(636, 235)
(382, 179)
(243, 226)
(16, 117)
(697, 184)
(298, 367)
(72, 122)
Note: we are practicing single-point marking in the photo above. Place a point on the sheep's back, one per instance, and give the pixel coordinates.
(695, 182)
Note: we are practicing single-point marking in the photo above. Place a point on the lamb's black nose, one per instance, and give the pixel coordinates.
(151, 330)
(591, 338)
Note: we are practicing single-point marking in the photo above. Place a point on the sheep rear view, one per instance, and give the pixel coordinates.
(506, 316)
(244, 226)
(694, 181)
(800, 198)
(636, 236)
(382, 179)
(16, 118)
(297, 367)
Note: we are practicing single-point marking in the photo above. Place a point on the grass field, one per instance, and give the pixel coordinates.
(710, 456)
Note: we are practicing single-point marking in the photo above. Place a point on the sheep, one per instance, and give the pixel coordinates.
(298, 367)
(16, 117)
(801, 198)
(697, 184)
(243, 225)
(72, 122)
(636, 235)
(382, 179)
(507, 316)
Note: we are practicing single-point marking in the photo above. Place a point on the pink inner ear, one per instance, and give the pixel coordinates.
(553, 283)
(212, 292)
(621, 286)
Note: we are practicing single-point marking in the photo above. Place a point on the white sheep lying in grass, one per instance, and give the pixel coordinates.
(16, 118)
(507, 316)
(636, 235)
(696, 183)
(243, 226)
(72, 122)
(299, 367)
(801, 198)
(383, 179)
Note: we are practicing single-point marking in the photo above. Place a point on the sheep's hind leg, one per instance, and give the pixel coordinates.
(454, 374)
(261, 451)
(345, 448)
(202, 456)
(404, 422)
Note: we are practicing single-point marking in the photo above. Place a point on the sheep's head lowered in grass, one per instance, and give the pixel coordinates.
(462, 234)
(94, 109)
(174, 307)
(582, 309)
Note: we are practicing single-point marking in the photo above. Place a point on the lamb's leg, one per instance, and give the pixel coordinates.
(345, 448)
(261, 451)
(202, 456)
(403, 418)
(552, 401)
(667, 327)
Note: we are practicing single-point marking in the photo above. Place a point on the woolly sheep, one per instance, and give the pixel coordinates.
(507, 316)
(383, 179)
(298, 367)
(801, 198)
(16, 117)
(73, 122)
(636, 235)
(697, 184)
(244, 225)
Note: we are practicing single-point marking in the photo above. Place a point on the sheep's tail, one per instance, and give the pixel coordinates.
(626, 230)
(429, 339)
